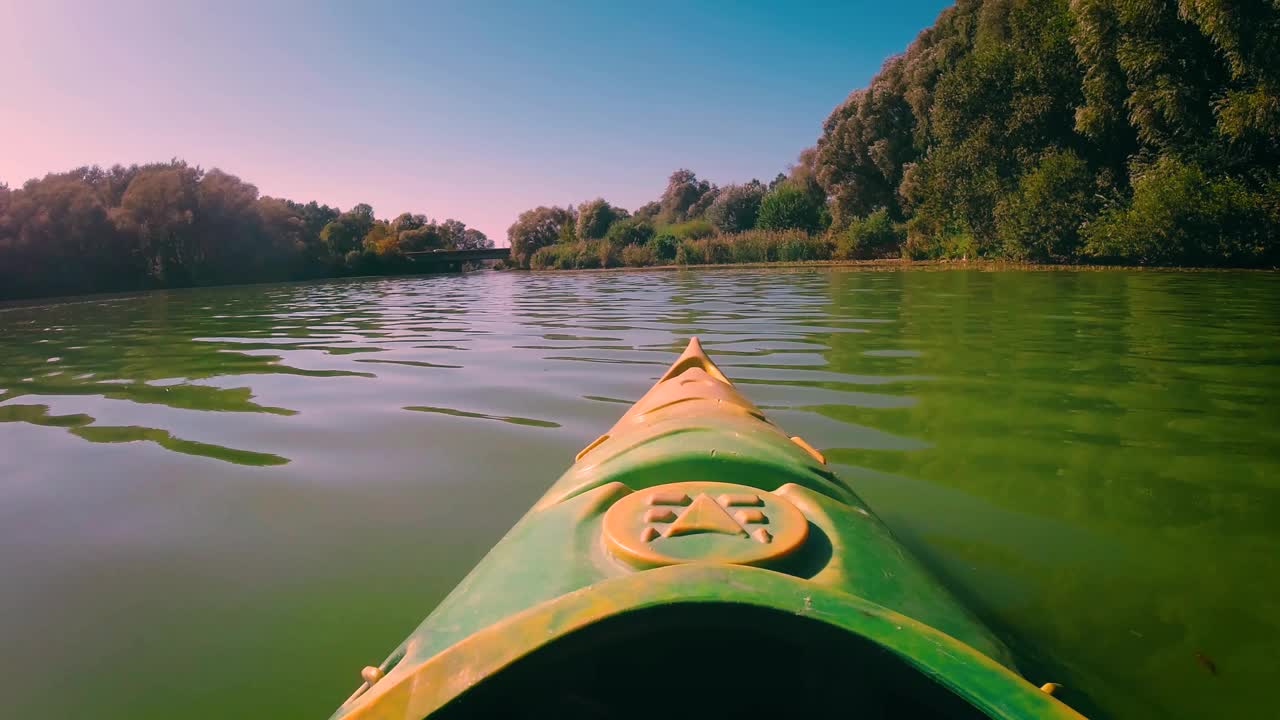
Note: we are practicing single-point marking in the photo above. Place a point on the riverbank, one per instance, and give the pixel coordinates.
(897, 264)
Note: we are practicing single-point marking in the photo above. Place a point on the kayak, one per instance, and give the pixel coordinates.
(695, 560)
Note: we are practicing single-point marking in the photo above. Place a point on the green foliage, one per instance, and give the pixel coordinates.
(536, 229)
(690, 253)
(346, 232)
(664, 247)
(578, 255)
(873, 236)
(1004, 127)
(690, 229)
(172, 224)
(595, 217)
(631, 231)
(1041, 219)
(682, 198)
(637, 256)
(753, 246)
(736, 207)
(789, 207)
(1180, 214)
(929, 240)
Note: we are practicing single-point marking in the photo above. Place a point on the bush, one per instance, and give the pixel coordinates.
(595, 219)
(1040, 220)
(574, 256)
(587, 255)
(736, 207)
(787, 207)
(753, 246)
(1180, 215)
(875, 235)
(690, 252)
(748, 247)
(664, 246)
(637, 256)
(608, 254)
(690, 230)
(631, 231)
(546, 258)
(930, 240)
(536, 229)
(799, 247)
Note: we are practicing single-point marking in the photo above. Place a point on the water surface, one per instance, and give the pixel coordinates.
(223, 503)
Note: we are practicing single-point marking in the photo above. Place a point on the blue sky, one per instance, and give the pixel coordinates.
(469, 110)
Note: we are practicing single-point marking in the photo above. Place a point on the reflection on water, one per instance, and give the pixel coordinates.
(280, 481)
(530, 422)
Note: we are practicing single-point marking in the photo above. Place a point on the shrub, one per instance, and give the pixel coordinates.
(931, 240)
(736, 207)
(787, 207)
(595, 218)
(1179, 214)
(664, 246)
(799, 247)
(535, 229)
(691, 230)
(717, 250)
(547, 257)
(875, 235)
(587, 255)
(690, 252)
(1040, 220)
(573, 256)
(754, 246)
(608, 254)
(631, 231)
(637, 255)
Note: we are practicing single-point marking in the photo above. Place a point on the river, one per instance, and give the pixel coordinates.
(224, 502)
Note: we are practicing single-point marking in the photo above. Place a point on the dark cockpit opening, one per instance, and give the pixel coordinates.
(709, 661)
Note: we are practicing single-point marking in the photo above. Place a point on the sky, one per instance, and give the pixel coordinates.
(470, 110)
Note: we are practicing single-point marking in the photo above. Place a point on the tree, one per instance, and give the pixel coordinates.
(283, 225)
(229, 233)
(595, 217)
(1180, 214)
(535, 229)
(171, 224)
(736, 207)
(1041, 219)
(648, 211)
(382, 239)
(408, 221)
(787, 207)
(159, 210)
(473, 239)
(424, 237)
(631, 231)
(57, 233)
(346, 232)
(683, 192)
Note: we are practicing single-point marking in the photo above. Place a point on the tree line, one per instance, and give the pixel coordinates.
(1116, 131)
(175, 225)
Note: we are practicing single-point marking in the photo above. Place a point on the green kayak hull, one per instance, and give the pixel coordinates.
(695, 559)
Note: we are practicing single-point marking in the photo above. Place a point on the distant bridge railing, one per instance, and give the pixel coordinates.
(445, 257)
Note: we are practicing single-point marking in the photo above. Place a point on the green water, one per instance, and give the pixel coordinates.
(223, 503)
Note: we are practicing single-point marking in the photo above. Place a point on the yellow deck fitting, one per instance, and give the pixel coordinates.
(703, 521)
(822, 459)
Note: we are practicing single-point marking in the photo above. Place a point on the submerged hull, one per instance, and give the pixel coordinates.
(695, 559)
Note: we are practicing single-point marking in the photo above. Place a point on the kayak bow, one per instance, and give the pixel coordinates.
(695, 560)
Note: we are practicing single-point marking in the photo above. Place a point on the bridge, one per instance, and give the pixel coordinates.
(452, 260)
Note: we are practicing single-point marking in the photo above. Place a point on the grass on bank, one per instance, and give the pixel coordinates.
(753, 246)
